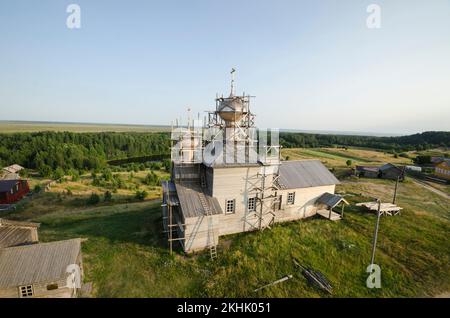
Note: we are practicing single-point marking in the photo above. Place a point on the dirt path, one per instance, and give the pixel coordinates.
(428, 187)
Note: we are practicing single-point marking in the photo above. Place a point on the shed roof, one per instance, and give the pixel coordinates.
(330, 200)
(18, 223)
(13, 168)
(45, 262)
(191, 205)
(389, 166)
(304, 174)
(14, 236)
(367, 168)
(13, 233)
(7, 185)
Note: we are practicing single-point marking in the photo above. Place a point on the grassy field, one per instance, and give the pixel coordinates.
(337, 157)
(125, 254)
(18, 126)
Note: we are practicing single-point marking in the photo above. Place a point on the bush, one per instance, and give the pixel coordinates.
(58, 174)
(107, 196)
(349, 163)
(151, 179)
(404, 155)
(75, 176)
(141, 195)
(37, 188)
(93, 199)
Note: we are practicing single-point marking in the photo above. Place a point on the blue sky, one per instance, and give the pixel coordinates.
(312, 65)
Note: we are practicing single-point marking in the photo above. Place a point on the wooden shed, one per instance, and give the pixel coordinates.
(390, 171)
(45, 270)
(367, 171)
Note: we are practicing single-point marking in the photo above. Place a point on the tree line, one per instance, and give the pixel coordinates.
(73, 153)
(48, 151)
(420, 141)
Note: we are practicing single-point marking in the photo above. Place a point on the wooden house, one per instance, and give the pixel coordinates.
(44, 270)
(387, 171)
(442, 170)
(12, 191)
(14, 233)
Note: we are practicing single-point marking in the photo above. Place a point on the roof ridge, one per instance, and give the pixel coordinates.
(39, 244)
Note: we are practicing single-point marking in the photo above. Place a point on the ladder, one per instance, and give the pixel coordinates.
(211, 242)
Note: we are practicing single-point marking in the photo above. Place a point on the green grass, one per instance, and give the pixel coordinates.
(126, 256)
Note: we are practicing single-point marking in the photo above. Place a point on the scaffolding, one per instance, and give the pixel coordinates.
(232, 124)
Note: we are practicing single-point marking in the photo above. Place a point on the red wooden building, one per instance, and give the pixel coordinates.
(13, 190)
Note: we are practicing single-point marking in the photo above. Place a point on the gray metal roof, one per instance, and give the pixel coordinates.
(29, 264)
(190, 203)
(304, 174)
(330, 200)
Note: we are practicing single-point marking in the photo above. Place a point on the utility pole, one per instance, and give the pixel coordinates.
(375, 236)
(395, 190)
(396, 184)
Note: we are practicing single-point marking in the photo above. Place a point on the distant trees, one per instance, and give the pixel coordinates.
(77, 153)
(48, 151)
(422, 141)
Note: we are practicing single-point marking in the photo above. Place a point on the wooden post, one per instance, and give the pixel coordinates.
(329, 216)
(375, 236)
(396, 184)
(395, 190)
(342, 212)
(170, 228)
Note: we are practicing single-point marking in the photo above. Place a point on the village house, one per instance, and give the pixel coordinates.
(12, 191)
(206, 199)
(442, 170)
(42, 270)
(387, 171)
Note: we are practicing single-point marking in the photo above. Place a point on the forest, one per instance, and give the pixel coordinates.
(420, 141)
(48, 151)
(67, 151)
